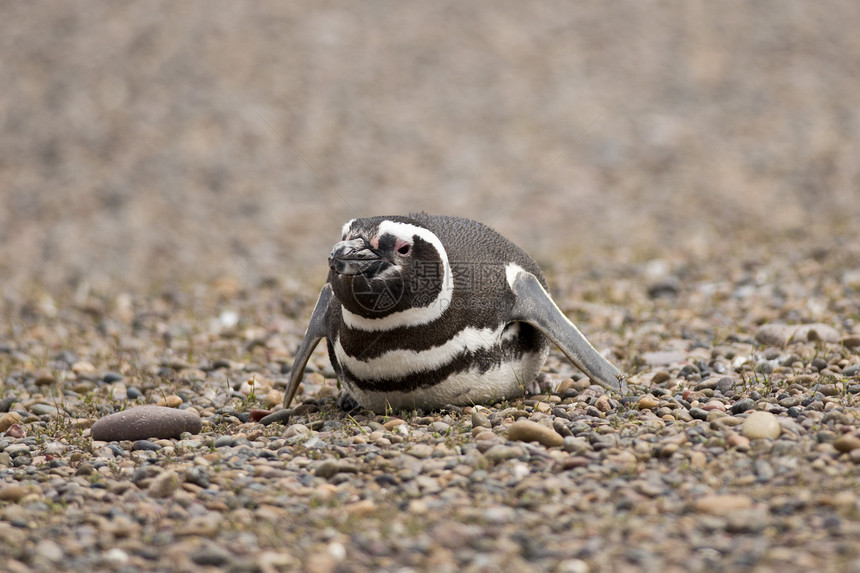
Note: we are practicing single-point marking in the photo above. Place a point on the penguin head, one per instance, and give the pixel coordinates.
(385, 265)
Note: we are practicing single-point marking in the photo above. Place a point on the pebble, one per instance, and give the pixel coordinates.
(723, 504)
(143, 422)
(846, 443)
(172, 401)
(528, 431)
(479, 420)
(742, 406)
(647, 402)
(164, 484)
(761, 425)
(499, 453)
(8, 419)
(13, 492)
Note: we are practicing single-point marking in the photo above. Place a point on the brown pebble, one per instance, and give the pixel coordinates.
(172, 401)
(528, 431)
(8, 419)
(723, 504)
(146, 422)
(660, 376)
(13, 492)
(851, 341)
(647, 402)
(846, 443)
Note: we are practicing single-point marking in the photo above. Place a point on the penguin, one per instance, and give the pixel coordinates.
(422, 311)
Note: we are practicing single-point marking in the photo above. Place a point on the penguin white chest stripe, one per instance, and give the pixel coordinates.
(416, 315)
(398, 363)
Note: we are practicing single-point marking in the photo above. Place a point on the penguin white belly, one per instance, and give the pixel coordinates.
(469, 385)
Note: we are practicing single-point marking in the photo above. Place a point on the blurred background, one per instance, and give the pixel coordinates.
(158, 143)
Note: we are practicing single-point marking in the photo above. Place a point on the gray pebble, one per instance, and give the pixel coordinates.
(725, 385)
(743, 405)
(43, 410)
(145, 445)
(111, 377)
(698, 414)
(500, 453)
(223, 441)
(146, 422)
(133, 393)
(479, 420)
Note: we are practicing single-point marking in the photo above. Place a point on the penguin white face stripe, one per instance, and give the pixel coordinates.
(346, 227)
(416, 315)
(399, 362)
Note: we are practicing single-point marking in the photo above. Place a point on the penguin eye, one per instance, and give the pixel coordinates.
(403, 249)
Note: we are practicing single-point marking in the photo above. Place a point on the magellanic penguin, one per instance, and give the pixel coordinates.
(423, 311)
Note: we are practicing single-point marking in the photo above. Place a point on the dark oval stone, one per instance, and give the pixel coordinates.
(110, 377)
(146, 422)
(145, 445)
(133, 393)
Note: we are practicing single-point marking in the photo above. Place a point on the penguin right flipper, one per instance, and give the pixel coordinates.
(534, 306)
(316, 332)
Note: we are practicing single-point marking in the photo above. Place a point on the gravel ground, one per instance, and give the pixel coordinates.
(173, 176)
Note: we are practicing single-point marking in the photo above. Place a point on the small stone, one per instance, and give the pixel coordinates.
(850, 341)
(273, 398)
(146, 422)
(133, 393)
(725, 385)
(210, 555)
(50, 550)
(499, 453)
(8, 419)
(647, 402)
(660, 376)
(816, 331)
(16, 431)
(328, 468)
(13, 492)
(111, 377)
(43, 410)
(172, 401)
(145, 445)
(698, 414)
(479, 420)
(723, 504)
(420, 451)
(742, 406)
(256, 414)
(738, 442)
(698, 459)
(846, 443)
(279, 416)
(603, 404)
(528, 431)
(761, 425)
(775, 334)
(164, 484)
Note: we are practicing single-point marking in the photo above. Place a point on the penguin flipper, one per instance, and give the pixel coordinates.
(316, 331)
(534, 306)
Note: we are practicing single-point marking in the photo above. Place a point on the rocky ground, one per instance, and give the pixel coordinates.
(172, 177)
(737, 447)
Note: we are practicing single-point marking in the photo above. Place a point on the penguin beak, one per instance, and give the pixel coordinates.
(352, 257)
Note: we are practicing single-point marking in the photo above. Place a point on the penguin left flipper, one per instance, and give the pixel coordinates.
(316, 332)
(534, 306)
